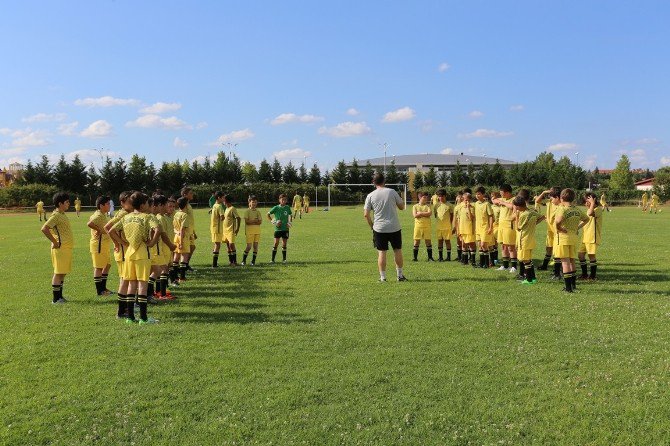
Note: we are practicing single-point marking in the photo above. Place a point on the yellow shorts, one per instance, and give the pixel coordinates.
(422, 233)
(444, 234)
(565, 252)
(253, 238)
(507, 236)
(549, 241)
(61, 259)
(486, 238)
(229, 237)
(185, 249)
(524, 255)
(468, 238)
(589, 248)
(156, 259)
(217, 237)
(100, 259)
(137, 270)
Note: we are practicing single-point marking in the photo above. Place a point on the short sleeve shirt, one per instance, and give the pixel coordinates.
(100, 220)
(444, 212)
(216, 224)
(281, 213)
(422, 221)
(252, 214)
(230, 217)
(59, 225)
(384, 202)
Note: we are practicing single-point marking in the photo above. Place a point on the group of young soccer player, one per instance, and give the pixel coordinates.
(481, 222)
(649, 204)
(153, 240)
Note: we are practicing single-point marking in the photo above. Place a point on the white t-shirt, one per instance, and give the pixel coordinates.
(384, 202)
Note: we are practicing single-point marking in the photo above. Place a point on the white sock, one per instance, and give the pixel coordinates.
(399, 271)
(382, 275)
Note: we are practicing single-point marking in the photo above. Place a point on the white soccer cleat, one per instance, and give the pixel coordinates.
(512, 270)
(502, 268)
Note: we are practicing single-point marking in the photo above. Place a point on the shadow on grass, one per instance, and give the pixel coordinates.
(229, 317)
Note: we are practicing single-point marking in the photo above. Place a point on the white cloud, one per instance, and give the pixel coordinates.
(447, 151)
(156, 121)
(289, 154)
(427, 125)
(11, 160)
(69, 129)
(5, 131)
(201, 125)
(237, 135)
(346, 129)
(30, 138)
(178, 142)
(44, 117)
(665, 161)
(402, 114)
(98, 129)
(517, 108)
(12, 151)
(200, 159)
(562, 147)
(286, 118)
(475, 114)
(106, 101)
(638, 156)
(353, 112)
(160, 107)
(89, 156)
(443, 67)
(485, 133)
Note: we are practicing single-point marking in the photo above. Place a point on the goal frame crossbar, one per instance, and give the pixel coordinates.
(404, 186)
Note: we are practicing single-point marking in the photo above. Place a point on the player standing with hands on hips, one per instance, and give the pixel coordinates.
(384, 204)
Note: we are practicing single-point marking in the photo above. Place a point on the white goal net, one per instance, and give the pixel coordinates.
(370, 186)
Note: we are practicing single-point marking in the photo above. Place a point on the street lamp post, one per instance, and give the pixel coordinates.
(577, 155)
(385, 145)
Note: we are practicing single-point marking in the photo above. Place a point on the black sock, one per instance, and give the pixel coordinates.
(449, 254)
(545, 262)
(234, 256)
(253, 258)
(430, 253)
(98, 285)
(473, 258)
(121, 299)
(130, 306)
(215, 259)
(513, 262)
(182, 270)
(557, 267)
(244, 256)
(274, 253)
(104, 281)
(567, 277)
(159, 284)
(481, 258)
(151, 285)
(459, 252)
(494, 255)
(174, 271)
(440, 254)
(142, 301)
(283, 254)
(583, 264)
(574, 280)
(57, 292)
(529, 271)
(416, 252)
(506, 262)
(594, 267)
(164, 284)
(230, 257)
(485, 262)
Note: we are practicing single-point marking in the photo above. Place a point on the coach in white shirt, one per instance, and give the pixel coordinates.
(384, 204)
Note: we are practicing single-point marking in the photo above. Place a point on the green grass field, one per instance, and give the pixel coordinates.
(318, 352)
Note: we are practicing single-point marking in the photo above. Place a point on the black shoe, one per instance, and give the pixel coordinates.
(415, 260)
(402, 279)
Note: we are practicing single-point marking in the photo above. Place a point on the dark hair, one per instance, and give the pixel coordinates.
(481, 190)
(218, 194)
(150, 200)
(495, 194)
(519, 201)
(378, 179)
(591, 194)
(467, 195)
(555, 192)
(123, 196)
(525, 193)
(468, 190)
(568, 195)
(253, 198)
(60, 197)
(185, 190)
(182, 202)
(137, 199)
(172, 200)
(160, 200)
(101, 201)
(282, 196)
(228, 198)
(506, 188)
(441, 192)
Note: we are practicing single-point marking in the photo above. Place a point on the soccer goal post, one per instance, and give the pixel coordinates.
(404, 190)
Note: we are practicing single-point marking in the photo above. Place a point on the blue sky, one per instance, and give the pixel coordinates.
(335, 80)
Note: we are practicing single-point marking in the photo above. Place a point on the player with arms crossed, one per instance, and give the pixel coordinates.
(280, 216)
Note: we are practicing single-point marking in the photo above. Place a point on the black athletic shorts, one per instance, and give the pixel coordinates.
(281, 234)
(381, 240)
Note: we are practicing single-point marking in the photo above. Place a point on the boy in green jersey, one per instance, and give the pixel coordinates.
(281, 218)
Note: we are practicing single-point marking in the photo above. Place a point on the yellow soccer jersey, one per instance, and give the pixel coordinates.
(422, 221)
(166, 227)
(527, 224)
(592, 232)
(189, 213)
(40, 206)
(483, 210)
(645, 198)
(77, 203)
(297, 202)
(100, 220)
(654, 200)
(434, 200)
(305, 200)
(179, 220)
(216, 221)
(444, 213)
(496, 213)
(137, 230)
(572, 216)
(603, 201)
(466, 222)
(253, 215)
(507, 216)
(230, 218)
(59, 225)
(118, 217)
(169, 226)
